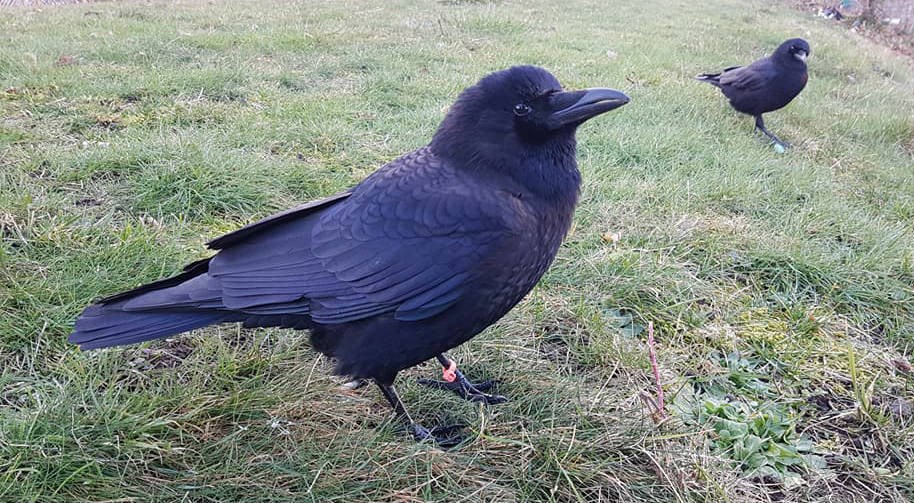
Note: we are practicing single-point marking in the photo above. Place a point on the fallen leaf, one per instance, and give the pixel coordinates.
(901, 364)
(65, 60)
(611, 237)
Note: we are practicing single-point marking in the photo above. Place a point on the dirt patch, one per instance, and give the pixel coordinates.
(891, 28)
(564, 340)
(168, 354)
(88, 201)
(842, 425)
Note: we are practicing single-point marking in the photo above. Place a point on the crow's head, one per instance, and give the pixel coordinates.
(517, 115)
(793, 51)
(526, 104)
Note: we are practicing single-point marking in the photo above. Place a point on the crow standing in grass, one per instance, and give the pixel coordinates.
(767, 84)
(418, 258)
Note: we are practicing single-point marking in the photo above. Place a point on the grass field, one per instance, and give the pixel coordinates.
(781, 286)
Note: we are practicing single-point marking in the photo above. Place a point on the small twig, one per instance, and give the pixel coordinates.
(661, 406)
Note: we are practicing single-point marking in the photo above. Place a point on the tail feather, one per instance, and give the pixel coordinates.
(714, 78)
(710, 78)
(102, 326)
(167, 307)
(199, 292)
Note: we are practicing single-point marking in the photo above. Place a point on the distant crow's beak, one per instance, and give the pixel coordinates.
(583, 105)
(801, 55)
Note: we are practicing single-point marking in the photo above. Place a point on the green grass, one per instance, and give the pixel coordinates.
(781, 286)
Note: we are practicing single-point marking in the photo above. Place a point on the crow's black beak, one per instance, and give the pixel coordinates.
(801, 55)
(575, 107)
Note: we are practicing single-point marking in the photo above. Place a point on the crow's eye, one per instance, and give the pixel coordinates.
(521, 109)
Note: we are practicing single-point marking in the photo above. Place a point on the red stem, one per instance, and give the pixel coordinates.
(661, 407)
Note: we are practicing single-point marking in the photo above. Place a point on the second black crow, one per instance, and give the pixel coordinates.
(767, 84)
(418, 258)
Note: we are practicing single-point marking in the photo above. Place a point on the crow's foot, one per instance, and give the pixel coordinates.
(458, 384)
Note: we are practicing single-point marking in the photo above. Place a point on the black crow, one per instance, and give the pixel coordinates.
(767, 84)
(418, 258)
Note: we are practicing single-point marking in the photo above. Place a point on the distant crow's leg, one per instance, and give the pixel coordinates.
(760, 125)
(459, 384)
(441, 435)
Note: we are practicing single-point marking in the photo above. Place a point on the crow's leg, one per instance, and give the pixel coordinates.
(760, 125)
(442, 435)
(455, 381)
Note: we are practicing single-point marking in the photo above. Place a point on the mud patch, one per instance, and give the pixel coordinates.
(561, 341)
(170, 354)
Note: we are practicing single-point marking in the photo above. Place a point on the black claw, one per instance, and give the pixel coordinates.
(447, 430)
(487, 398)
(431, 383)
(760, 126)
(484, 385)
(449, 443)
(442, 436)
(462, 387)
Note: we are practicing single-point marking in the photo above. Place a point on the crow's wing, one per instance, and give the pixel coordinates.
(748, 78)
(271, 221)
(405, 241)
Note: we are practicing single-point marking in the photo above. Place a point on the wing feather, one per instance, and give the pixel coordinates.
(748, 78)
(404, 242)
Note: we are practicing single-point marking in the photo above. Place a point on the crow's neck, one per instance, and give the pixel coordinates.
(788, 60)
(548, 170)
